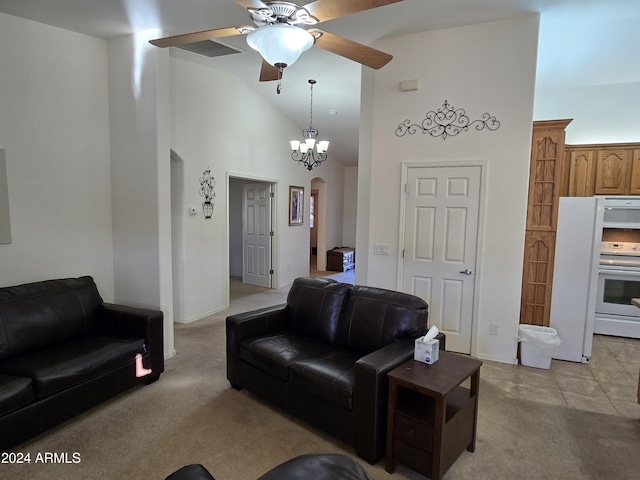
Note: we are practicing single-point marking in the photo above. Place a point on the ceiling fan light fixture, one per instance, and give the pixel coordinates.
(280, 44)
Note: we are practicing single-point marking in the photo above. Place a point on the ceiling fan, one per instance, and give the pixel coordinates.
(282, 33)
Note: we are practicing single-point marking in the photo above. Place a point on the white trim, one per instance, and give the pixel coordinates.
(200, 317)
(483, 164)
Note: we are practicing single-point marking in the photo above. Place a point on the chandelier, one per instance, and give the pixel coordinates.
(308, 152)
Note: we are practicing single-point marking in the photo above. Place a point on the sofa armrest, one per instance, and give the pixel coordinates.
(251, 324)
(125, 321)
(371, 397)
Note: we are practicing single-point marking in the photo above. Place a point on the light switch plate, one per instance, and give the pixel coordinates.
(379, 249)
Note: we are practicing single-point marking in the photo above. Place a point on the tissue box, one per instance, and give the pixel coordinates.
(427, 352)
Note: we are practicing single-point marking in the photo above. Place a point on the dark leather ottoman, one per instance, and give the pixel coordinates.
(304, 467)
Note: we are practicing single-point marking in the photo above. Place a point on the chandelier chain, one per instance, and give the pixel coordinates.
(311, 109)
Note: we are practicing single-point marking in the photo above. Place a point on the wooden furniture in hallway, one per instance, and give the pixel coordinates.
(341, 259)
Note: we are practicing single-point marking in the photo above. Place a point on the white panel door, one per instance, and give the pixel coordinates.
(440, 235)
(256, 213)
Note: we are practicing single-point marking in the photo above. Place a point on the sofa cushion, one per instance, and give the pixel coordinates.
(374, 317)
(65, 365)
(35, 315)
(273, 353)
(15, 392)
(315, 306)
(318, 466)
(330, 376)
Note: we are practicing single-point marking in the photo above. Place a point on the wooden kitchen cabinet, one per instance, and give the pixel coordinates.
(582, 172)
(634, 182)
(545, 175)
(537, 281)
(546, 184)
(565, 170)
(602, 169)
(611, 172)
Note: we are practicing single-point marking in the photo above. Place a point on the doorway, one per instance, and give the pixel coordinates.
(317, 235)
(251, 232)
(439, 233)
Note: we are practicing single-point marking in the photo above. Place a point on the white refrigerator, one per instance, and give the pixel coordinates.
(575, 275)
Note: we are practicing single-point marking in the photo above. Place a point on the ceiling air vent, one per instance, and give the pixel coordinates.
(209, 48)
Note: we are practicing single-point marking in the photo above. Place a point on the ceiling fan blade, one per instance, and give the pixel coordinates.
(251, 3)
(352, 50)
(325, 10)
(268, 72)
(197, 36)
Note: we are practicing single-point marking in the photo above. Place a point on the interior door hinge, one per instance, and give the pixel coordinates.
(271, 271)
(403, 253)
(406, 188)
(271, 194)
(271, 234)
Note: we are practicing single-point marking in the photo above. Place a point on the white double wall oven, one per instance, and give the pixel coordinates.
(619, 269)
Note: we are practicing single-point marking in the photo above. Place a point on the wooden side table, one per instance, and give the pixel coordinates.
(432, 418)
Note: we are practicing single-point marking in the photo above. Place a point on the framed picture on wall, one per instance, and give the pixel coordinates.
(296, 205)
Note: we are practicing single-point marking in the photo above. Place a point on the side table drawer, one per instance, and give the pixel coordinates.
(414, 458)
(418, 434)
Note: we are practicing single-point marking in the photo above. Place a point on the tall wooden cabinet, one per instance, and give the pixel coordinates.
(545, 185)
(565, 170)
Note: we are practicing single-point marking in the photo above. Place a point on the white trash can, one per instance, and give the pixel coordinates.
(538, 345)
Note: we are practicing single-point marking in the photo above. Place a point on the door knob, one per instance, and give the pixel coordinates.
(467, 272)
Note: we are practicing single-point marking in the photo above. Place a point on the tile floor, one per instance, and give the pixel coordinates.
(608, 384)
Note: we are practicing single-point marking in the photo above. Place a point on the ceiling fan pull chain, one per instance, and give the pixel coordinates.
(279, 87)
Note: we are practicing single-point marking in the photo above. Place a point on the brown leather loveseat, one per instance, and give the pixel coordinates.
(324, 355)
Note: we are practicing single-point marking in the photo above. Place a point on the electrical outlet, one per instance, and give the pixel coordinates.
(495, 329)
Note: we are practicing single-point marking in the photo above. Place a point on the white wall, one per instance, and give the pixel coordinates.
(221, 123)
(54, 126)
(139, 100)
(600, 113)
(482, 68)
(589, 72)
(350, 206)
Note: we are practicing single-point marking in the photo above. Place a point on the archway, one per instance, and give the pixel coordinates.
(319, 191)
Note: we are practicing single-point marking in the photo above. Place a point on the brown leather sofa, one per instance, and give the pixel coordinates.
(63, 351)
(324, 355)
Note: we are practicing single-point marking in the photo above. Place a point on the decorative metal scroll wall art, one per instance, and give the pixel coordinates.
(207, 184)
(447, 121)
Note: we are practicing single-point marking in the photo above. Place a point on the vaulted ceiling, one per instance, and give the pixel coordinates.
(582, 43)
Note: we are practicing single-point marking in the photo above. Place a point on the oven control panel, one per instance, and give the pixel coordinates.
(620, 248)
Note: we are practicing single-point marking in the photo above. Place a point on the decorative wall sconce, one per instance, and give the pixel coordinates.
(207, 183)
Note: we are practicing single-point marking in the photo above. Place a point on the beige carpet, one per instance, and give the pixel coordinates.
(191, 415)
